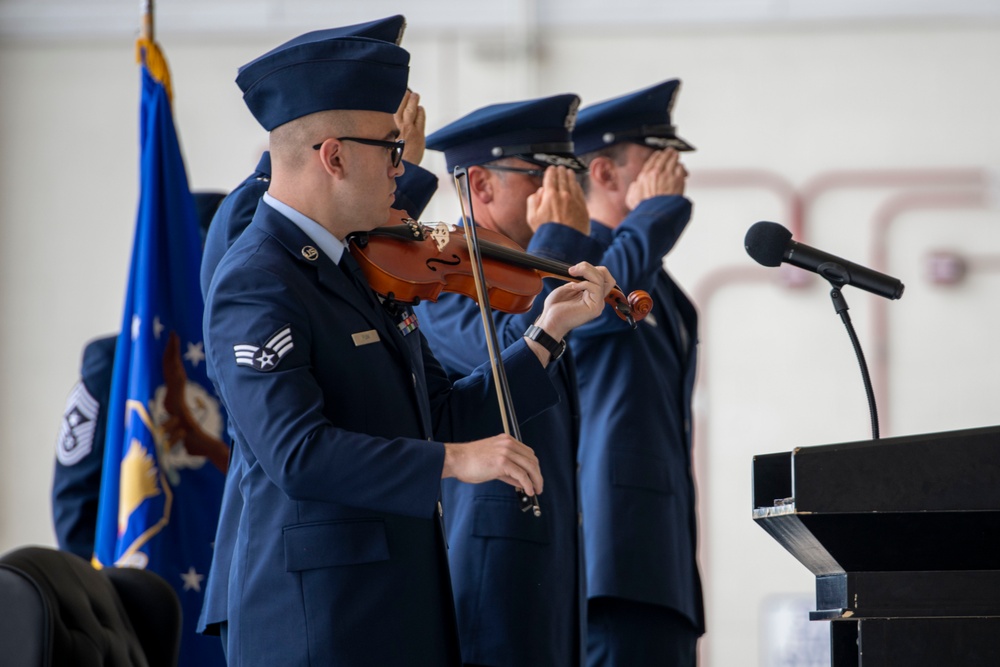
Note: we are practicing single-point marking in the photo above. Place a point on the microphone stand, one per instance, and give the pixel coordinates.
(837, 275)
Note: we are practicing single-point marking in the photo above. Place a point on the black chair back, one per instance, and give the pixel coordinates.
(56, 609)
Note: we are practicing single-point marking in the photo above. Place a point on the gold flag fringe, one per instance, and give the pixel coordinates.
(147, 52)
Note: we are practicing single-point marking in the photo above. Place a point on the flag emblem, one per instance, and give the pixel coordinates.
(265, 357)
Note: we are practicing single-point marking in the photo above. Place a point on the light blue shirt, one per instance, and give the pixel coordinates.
(321, 236)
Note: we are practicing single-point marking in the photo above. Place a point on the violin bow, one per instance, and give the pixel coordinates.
(510, 424)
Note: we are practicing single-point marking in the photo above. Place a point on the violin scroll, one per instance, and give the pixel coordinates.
(632, 308)
(641, 303)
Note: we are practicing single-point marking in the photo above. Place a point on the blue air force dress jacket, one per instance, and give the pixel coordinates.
(517, 578)
(339, 557)
(636, 478)
(414, 190)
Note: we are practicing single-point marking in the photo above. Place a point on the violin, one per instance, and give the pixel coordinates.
(416, 261)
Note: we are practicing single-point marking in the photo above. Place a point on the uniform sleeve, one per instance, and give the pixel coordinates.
(231, 218)
(635, 255)
(76, 483)
(469, 409)
(414, 190)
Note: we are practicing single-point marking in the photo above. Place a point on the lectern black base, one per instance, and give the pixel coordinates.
(903, 536)
(915, 642)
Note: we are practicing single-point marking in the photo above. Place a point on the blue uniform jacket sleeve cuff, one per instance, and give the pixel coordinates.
(659, 221)
(414, 190)
(530, 384)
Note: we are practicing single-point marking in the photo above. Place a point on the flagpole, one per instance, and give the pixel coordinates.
(147, 20)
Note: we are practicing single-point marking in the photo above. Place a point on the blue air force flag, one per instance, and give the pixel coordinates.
(160, 500)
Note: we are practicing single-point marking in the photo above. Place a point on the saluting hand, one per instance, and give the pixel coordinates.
(499, 457)
(662, 174)
(560, 199)
(410, 119)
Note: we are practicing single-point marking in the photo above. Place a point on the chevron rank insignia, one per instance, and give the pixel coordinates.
(76, 436)
(266, 357)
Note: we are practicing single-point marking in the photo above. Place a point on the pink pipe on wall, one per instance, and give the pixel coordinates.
(882, 222)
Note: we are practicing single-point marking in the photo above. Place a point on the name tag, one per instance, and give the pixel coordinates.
(365, 338)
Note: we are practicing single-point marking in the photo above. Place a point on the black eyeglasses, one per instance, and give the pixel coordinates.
(394, 147)
(537, 173)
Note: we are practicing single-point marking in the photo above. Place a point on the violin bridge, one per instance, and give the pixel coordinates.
(439, 232)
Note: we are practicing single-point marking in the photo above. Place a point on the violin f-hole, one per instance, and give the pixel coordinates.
(436, 260)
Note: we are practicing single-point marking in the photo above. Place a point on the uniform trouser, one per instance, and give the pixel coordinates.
(623, 633)
(224, 636)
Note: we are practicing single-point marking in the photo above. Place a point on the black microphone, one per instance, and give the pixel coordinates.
(771, 244)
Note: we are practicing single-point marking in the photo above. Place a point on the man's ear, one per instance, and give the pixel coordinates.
(332, 158)
(481, 184)
(603, 174)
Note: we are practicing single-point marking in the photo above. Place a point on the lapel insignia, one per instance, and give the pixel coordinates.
(310, 253)
(265, 357)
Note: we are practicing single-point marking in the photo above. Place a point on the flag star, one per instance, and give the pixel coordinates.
(157, 327)
(136, 323)
(192, 580)
(195, 353)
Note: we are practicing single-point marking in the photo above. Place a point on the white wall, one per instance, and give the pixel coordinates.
(787, 102)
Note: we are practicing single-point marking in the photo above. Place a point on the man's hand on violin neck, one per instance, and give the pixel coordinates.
(575, 303)
(499, 457)
(560, 200)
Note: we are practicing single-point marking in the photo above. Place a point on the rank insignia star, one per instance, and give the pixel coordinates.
(265, 357)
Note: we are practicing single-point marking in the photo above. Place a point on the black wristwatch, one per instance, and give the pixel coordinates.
(537, 334)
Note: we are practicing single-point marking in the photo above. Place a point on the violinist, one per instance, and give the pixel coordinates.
(346, 423)
(414, 189)
(635, 388)
(516, 576)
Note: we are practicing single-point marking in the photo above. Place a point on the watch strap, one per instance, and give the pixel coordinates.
(538, 334)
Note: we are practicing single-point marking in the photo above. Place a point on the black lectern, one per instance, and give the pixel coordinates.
(903, 535)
